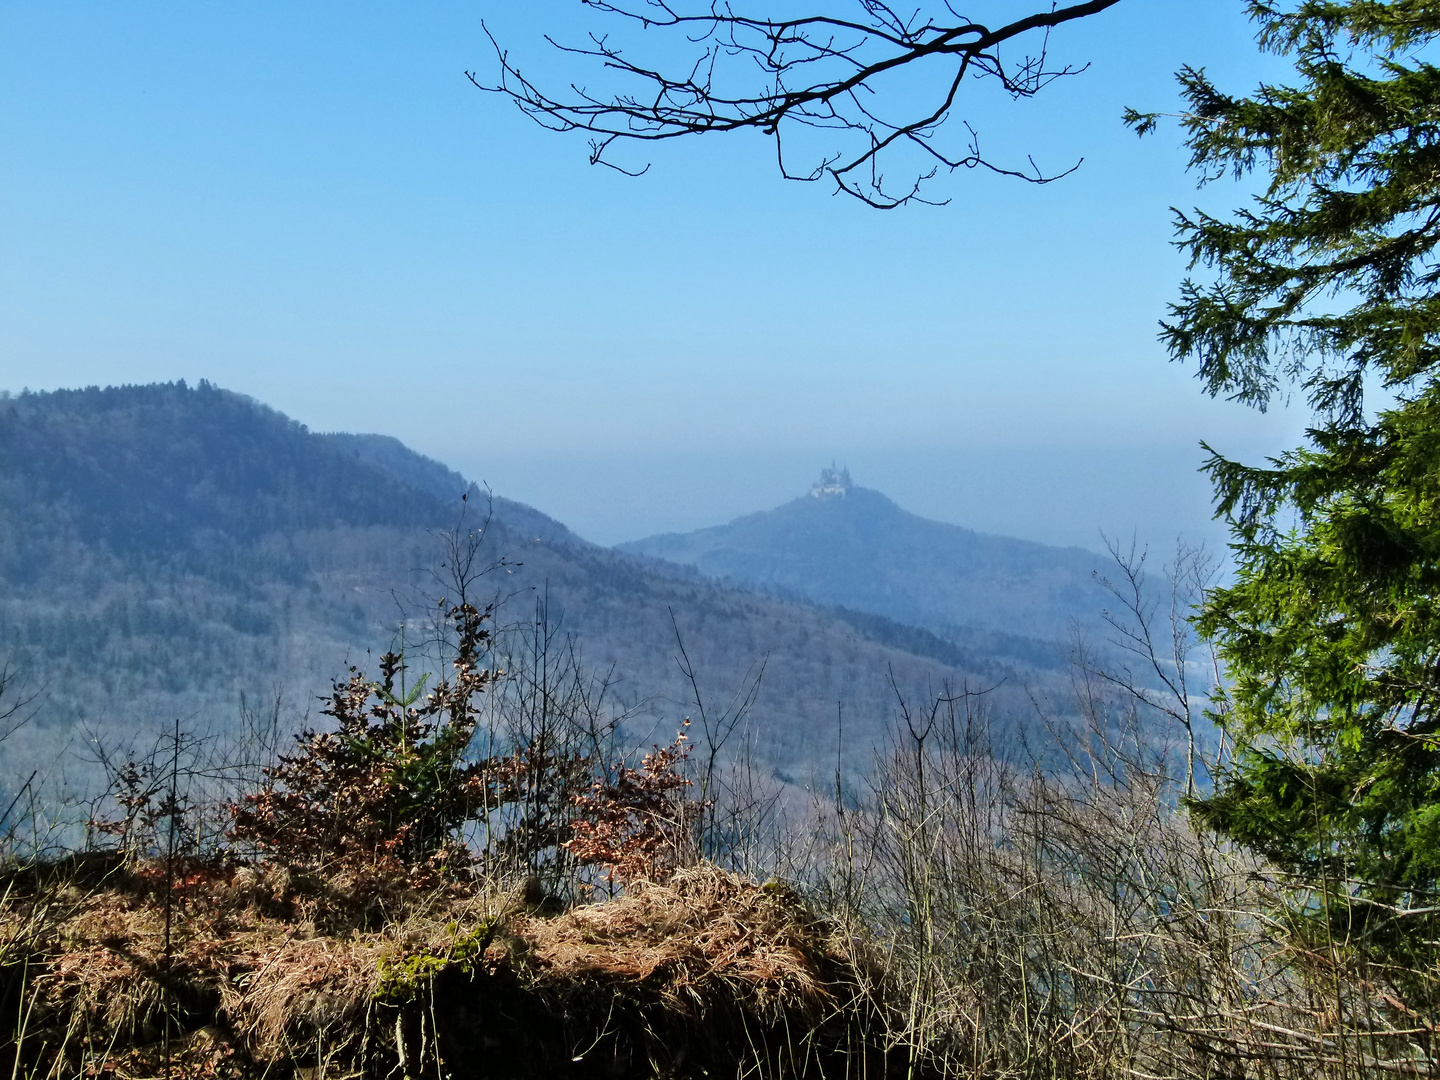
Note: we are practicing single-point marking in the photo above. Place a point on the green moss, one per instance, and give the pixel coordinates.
(403, 978)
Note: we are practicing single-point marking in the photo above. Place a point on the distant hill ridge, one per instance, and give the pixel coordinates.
(850, 546)
(165, 548)
(152, 471)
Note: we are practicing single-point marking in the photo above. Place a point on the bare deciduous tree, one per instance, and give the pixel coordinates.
(851, 79)
(1162, 648)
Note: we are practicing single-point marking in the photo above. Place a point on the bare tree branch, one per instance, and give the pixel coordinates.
(17, 707)
(820, 72)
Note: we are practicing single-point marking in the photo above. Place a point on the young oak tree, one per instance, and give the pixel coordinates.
(1329, 282)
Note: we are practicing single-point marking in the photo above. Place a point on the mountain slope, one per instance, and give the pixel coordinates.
(852, 547)
(164, 549)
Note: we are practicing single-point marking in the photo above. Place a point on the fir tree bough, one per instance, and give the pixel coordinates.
(1328, 283)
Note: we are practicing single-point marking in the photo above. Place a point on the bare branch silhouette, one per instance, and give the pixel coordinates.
(820, 72)
(17, 704)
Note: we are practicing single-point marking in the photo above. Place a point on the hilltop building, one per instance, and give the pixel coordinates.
(832, 482)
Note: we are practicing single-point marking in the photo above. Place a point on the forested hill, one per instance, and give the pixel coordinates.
(169, 474)
(166, 474)
(853, 547)
(164, 549)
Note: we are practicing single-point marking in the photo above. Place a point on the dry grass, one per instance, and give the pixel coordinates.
(256, 979)
(706, 973)
(704, 935)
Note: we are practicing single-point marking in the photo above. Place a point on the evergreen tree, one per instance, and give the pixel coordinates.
(1328, 283)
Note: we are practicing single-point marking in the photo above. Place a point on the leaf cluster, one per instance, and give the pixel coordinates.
(637, 823)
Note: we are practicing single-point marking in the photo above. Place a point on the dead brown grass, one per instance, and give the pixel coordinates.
(702, 935)
(257, 979)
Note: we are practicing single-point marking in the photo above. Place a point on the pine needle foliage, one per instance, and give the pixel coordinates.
(1328, 285)
(392, 783)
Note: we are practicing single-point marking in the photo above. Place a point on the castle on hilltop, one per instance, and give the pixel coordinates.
(832, 481)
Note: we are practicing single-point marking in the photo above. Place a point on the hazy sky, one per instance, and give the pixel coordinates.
(309, 203)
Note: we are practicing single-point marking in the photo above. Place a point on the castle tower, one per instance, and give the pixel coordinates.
(833, 482)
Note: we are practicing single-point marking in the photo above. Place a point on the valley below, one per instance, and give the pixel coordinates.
(168, 551)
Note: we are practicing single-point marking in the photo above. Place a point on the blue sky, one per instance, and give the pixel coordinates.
(309, 203)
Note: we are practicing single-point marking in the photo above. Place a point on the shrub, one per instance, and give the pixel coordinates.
(638, 823)
(391, 789)
(392, 785)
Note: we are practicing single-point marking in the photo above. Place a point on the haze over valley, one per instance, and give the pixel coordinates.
(166, 550)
